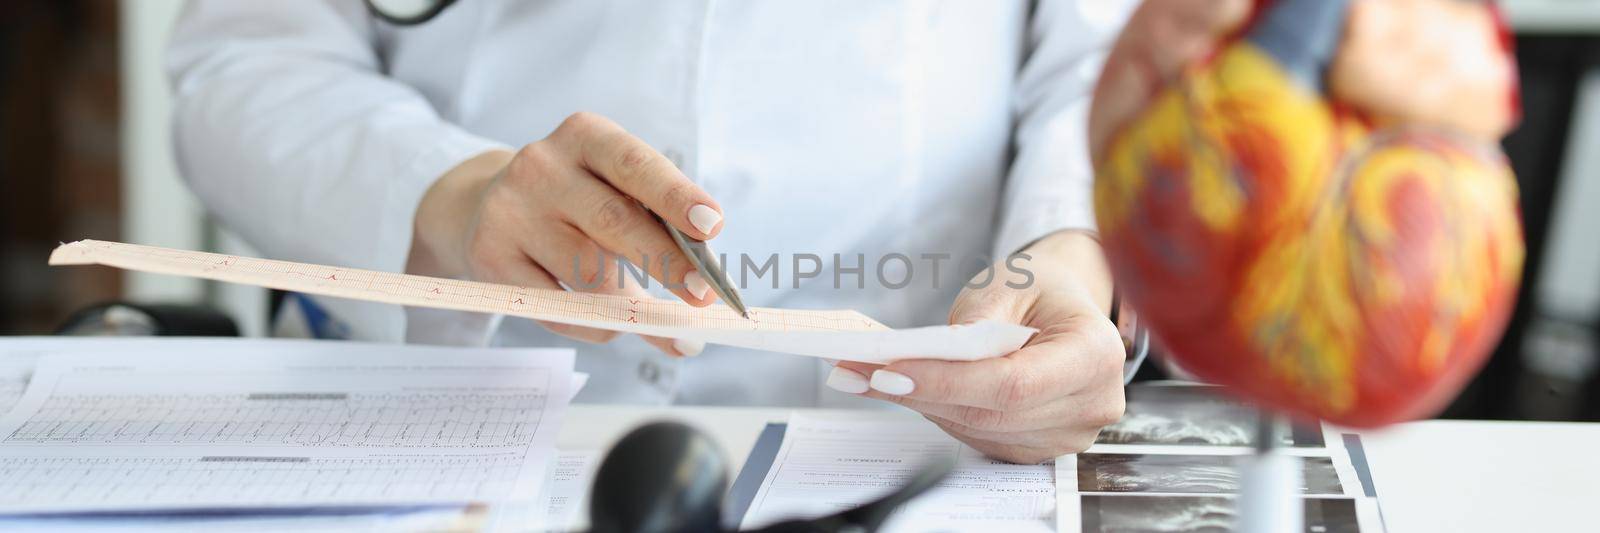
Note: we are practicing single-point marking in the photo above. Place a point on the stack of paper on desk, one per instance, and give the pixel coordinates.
(1170, 464)
(255, 425)
(829, 464)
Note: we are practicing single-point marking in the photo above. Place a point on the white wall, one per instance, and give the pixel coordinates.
(157, 207)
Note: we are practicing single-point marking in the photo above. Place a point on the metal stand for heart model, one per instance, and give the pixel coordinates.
(1270, 482)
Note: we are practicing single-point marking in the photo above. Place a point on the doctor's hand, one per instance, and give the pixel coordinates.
(561, 211)
(1049, 398)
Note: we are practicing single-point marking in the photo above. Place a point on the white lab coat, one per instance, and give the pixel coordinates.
(822, 127)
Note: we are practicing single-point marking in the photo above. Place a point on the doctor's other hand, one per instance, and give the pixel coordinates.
(561, 211)
(1049, 398)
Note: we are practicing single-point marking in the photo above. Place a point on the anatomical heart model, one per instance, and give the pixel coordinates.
(1305, 200)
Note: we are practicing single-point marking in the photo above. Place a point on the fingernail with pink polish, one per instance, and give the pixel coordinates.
(688, 347)
(704, 218)
(846, 380)
(697, 285)
(894, 383)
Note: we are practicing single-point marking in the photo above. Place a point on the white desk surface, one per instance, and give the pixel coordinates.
(1454, 476)
(1447, 476)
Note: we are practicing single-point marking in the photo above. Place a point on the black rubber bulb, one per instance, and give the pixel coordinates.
(663, 477)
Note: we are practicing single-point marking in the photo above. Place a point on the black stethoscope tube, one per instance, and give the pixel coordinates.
(413, 20)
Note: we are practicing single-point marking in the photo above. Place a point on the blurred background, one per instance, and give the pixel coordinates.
(85, 152)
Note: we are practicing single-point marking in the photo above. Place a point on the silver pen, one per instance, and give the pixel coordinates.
(706, 263)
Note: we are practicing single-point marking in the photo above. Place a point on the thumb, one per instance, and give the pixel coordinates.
(994, 302)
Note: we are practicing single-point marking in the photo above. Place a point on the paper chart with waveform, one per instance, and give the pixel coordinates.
(265, 425)
(288, 419)
(834, 334)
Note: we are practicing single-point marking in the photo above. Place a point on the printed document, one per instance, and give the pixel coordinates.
(830, 464)
(258, 426)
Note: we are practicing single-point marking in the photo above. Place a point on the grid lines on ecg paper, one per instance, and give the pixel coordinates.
(390, 419)
(244, 481)
(539, 304)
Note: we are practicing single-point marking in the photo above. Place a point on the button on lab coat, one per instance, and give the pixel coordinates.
(843, 127)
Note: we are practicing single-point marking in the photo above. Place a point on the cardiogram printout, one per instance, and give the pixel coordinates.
(563, 503)
(830, 464)
(20, 354)
(255, 425)
(835, 334)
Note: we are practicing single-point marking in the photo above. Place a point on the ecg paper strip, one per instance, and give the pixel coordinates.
(836, 334)
(273, 424)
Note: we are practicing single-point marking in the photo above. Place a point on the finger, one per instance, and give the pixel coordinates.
(639, 171)
(675, 347)
(1072, 349)
(850, 377)
(514, 268)
(1051, 367)
(1037, 448)
(590, 269)
(927, 381)
(609, 220)
(865, 369)
(969, 419)
(995, 301)
(680, 347)
(1084, 411)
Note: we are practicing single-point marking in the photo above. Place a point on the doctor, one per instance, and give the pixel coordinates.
(503, 139)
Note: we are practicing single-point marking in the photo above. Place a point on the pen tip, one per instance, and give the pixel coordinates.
(746, 314)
